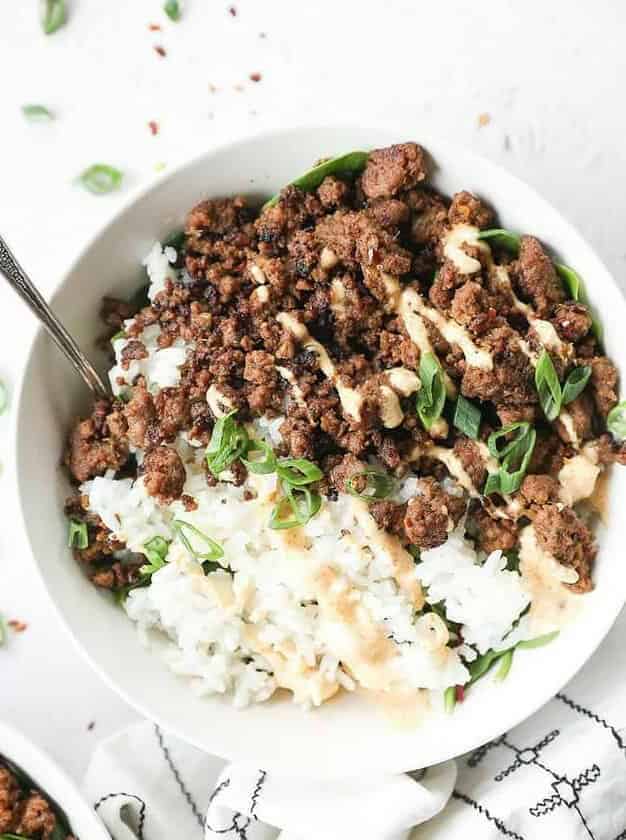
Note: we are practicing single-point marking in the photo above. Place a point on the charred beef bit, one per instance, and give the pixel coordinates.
(333, 192)
(164, 474)
(260, 368)
(516, 413)
(299, 437)
(37, 818)
(429, 516)
(540, 489)
(604, 384)
(466, 209)
(446, 282)
(115, 311)
(470, 457)
(347, 468)
(610, 451)
(563, 535)
(9, 800)
(140, 415)
(90, 452)
(304, 251)
(580, 412)
(389, 212)
(389, 516)
(512, 378)
(133, 350)
(472, 308)
(429, 216)
(173, 412)
(548, 455)
(393, 169)
(572, 320)
(295, 210)
(218, 216)
(537, 278)
(494, 534)
(119, 575)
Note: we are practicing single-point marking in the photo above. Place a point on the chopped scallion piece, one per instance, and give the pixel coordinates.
(37, 113)
(374, 483)
(521, 428)
(172, 9)
(189, 535)
(78, 536)
(298, 471)
(449, 699)
(575, 383)
(616, 421)
(117, 336)
(348, 164)
(431, 397)
(229, 441)
(53, 15)
(548, 386)
(264, 465)
(539, 641)
(156, 551)
(505, 665)
(514, 458)
(4, 400)
(467, 417)
(101, 178)
(295, 508)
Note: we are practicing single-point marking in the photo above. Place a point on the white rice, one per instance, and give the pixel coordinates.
(316, 609)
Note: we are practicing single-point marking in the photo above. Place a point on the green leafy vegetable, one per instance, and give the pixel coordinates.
(505, 665)
(575, 383)
(117, 336)
(4, 400)
(213, 552)
(172, 9)
(264, 465)
(514, 458)
(77, 535)
(616, 421)
(37, 113)
(53, 15)
(449, 699)
(229, 441)
(348, 164)
(521, 428)
(467, 417)
(539, 641)
(295, 508)
(156, 551)
(298, 471)
(376, 484)
(431, 397)
(548, 386)
(506, 239)
(101, 178)
(482, 664)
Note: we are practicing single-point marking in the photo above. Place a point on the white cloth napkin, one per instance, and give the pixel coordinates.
(561, 775)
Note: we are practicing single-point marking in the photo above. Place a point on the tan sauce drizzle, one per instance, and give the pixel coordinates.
(219, 403)
(578, 476)
(567, 421)
(289, 376)
(453, 243)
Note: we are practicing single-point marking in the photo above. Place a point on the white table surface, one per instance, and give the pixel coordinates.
(550, 76)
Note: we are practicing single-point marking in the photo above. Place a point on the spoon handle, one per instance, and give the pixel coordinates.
(19, 281)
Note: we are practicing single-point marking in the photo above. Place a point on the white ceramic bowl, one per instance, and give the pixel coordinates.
(348, 736)
(51, 780)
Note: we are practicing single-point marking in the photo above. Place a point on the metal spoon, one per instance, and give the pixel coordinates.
(20, 282)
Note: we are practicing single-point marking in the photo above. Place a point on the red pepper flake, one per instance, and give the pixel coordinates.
(91, 725)
(460, 693)
(232, 11)
(17, 626)
(262, 34)
(154, 27)
(159, 50)
(255, 77)
(154, 127)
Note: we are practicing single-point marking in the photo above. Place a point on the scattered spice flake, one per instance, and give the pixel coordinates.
(255, 77)
(483, 120)
(460, 693)
(262, 34)
(154, 127)
(159, 50)
(91, 725)
(17, 626)
(154, 27)
(232, 11)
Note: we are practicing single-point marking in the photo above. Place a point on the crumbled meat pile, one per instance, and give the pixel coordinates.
(26, 814)
(258, 293)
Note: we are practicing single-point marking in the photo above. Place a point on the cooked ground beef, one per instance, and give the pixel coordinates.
(565, 536)
(27, 813)
(253, 292)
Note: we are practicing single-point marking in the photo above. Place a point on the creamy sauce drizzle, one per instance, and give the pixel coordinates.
(578, 476)
(453, 243)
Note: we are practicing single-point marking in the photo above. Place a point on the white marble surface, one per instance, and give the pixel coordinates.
(549, 76)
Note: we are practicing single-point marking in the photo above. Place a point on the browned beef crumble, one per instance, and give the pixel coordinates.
(27, 814)
(325, 257)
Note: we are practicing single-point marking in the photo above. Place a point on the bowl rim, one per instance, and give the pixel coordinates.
(557, 679)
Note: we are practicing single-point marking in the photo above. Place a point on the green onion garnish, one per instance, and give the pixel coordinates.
(101, 178)
(117, 336)
(505, 665)
(521, 428)
(376, 485)
(77, 536)
(175, 240)
(298, 471)
(214, 551)
(616, 421)
(431, 397)
(156, 551)
(506, 239)
(514, 458)
(4, 400)
(53, 15)
(575, 383)
(467, 417)
(229, 441)
(3, 631)
(298, 505)
(548, 386)
(449, 699)
(37, 113)
(172, 9)
(264, 465)
(348, 164)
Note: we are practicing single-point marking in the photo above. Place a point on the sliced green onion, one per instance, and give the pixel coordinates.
(117, 336)
(522, 427)
(264, 465)
(175, 240)
(214, 551)
(506, 239)
(479, 667)
(77, 536)
(229, 441)
(378, 485)
(492, 485)
(101, 178)
(467, 417)
(449, 699)
(514, 458)
(616, 421)
(431, 397)
(53, 15)
(548, 386)
(172, 9)
(539, 641)
(575, 383)
(4, 399)
(3, 631)
(37, 112)
(156, 551)
(505, 665)
(348, 164)
(295, 508)
(298, 471)
(415, 553)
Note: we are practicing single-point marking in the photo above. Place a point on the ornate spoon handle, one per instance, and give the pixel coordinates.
(20, 282)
